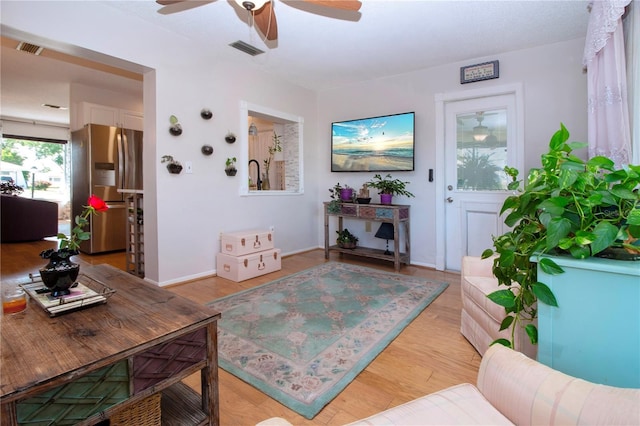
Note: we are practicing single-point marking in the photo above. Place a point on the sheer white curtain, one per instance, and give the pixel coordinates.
(604, 56)
(631, 24)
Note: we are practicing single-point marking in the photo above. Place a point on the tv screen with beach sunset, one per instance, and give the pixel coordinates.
(376, 144)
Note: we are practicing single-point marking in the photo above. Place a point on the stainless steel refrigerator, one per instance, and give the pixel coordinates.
(107, 162)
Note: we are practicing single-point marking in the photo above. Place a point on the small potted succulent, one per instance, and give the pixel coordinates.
(176, 128)
(230, 166)
(388, 187)
(173, 166)
(346, 239)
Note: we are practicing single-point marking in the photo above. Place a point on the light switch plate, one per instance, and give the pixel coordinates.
(188, 166)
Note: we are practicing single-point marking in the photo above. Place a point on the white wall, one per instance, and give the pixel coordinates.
(184, 214)
(554, 92)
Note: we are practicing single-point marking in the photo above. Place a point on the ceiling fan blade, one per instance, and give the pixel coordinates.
(170, 7)
(265, 20)
(353, 5)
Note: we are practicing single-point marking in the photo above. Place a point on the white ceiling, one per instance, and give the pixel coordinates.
(318, 48)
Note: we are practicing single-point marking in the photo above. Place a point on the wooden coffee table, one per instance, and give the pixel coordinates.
(87, 365)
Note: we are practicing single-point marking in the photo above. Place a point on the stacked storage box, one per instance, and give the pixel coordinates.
(247, 254)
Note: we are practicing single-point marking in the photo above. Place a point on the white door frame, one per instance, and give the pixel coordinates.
(443, 98)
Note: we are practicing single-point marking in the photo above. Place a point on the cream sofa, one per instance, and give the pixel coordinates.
(513, 389)
(480, 319)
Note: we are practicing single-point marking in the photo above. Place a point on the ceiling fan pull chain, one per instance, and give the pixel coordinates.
(271, 17)
(252, 24)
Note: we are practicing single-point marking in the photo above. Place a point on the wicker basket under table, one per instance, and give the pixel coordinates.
(145, 412)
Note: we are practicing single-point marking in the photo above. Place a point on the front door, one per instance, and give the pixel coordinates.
(481, 137)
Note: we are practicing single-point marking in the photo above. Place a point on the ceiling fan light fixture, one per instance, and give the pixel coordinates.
(480, 133)
(251, 5)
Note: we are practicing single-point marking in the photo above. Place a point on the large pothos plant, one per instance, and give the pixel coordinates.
(567, 206)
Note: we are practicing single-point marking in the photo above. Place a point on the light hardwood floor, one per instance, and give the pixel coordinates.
(429, 355)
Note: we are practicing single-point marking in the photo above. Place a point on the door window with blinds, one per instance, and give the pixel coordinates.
(481, 150)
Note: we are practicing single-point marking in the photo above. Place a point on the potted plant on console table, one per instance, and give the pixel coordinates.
(388, 187)
(570, 212)
(334, 204)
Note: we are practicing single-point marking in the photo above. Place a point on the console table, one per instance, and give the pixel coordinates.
(86, 366)
(392, 213)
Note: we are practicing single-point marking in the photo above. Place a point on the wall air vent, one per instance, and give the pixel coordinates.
(246, 48)
(29, 48)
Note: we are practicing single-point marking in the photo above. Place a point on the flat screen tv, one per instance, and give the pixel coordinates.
(376, 144)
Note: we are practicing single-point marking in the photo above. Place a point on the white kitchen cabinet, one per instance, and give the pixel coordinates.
(110, 116)
(131, 120)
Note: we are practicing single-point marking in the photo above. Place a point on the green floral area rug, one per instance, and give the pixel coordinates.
(303, 338)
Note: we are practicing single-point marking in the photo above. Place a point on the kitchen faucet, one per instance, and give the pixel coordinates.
(259, 182)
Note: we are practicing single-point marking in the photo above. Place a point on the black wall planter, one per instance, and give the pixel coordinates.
(206, 114)
(174, 168)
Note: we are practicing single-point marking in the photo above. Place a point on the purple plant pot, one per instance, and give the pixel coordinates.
(385, 198)
(346, 194)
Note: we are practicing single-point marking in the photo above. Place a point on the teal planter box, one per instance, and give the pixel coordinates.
(594, 333)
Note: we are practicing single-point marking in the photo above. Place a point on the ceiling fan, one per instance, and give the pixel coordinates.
(264, 17)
